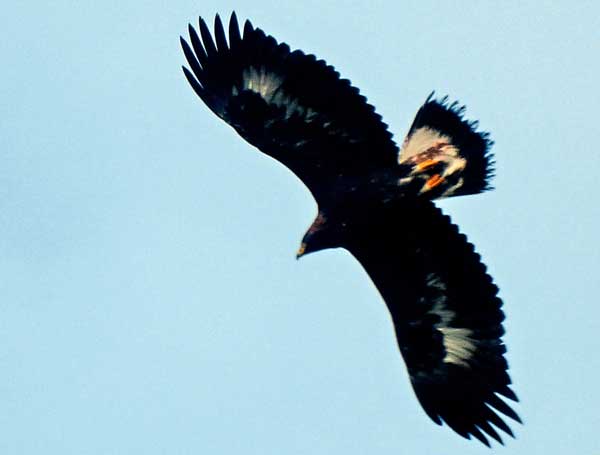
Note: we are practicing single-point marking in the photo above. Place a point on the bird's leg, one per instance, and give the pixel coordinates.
(437, 168)
(432, 182)
(427, 163)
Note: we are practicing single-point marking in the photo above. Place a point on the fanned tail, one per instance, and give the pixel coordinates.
(444, 153)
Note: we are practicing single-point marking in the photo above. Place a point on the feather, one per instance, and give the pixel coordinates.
(376, 201)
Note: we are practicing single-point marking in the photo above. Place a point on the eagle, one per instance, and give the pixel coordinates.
(375, 199)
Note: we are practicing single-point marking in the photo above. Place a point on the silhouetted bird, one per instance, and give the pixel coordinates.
(375, 200)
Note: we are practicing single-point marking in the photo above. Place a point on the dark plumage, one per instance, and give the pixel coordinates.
(375, 200)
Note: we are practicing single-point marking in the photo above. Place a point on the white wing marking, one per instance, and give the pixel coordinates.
(458, 343)
(267, 84)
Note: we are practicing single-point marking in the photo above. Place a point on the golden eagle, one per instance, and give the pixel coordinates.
(375, 200)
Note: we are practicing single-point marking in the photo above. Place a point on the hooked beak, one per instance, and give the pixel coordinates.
(301, 250)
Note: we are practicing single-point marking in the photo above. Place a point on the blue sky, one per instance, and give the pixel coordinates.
(150, 301)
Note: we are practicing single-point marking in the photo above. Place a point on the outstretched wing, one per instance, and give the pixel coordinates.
(446, 313)
(290, 105)
(448, 150)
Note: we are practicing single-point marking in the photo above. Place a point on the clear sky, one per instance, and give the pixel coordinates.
(150, 301)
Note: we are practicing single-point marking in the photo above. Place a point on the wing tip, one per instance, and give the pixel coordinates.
(248, 28)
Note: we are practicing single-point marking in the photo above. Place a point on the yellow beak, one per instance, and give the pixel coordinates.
(301, 250)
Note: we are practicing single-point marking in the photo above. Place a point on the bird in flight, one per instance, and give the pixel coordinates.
(375, 199)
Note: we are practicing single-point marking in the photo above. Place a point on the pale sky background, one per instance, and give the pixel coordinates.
(150, 301)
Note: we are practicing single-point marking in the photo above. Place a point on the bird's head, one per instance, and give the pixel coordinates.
(321, 235)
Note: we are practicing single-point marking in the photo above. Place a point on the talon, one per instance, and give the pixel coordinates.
(426, 164)
(434, 181)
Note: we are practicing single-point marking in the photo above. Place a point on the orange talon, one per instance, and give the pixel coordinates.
(426, 164)
(434, 181)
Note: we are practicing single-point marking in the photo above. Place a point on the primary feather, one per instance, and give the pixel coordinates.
(290, 105)
(375, 200)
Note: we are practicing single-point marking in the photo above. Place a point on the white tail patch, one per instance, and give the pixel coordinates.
(458, 341)
(422, 140)
(432, 154)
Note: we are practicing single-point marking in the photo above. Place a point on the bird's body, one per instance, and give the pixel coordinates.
(376, 200)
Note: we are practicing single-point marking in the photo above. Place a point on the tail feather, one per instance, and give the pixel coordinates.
(446, 151)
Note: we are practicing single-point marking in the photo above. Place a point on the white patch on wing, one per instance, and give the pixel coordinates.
(458, 342)
(268, 85)
(261, 81)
